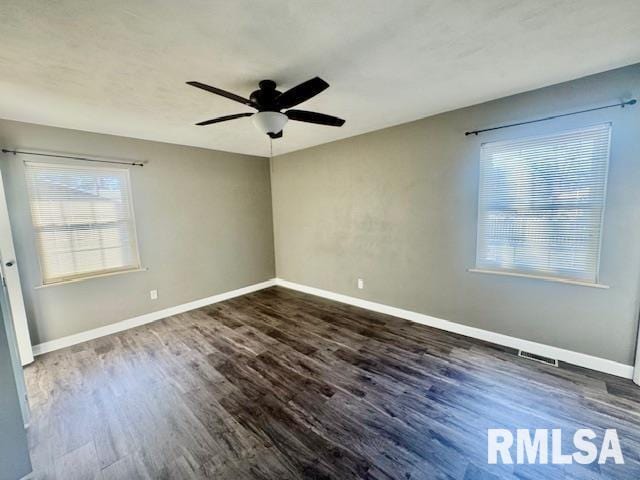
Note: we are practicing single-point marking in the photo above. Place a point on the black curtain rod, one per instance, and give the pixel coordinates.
(621, 104)
(84, 159)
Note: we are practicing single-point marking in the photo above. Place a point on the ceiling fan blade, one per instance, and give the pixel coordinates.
(314, 117)
(223, 93)
(275, 135)
(225, 118)
(301, 93)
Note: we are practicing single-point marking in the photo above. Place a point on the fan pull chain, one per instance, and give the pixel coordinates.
(270, 147)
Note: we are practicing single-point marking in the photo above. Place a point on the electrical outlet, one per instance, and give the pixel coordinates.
(360, 283)
(153, 294)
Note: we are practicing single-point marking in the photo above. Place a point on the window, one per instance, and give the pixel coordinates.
(541, 204)
(83, 220)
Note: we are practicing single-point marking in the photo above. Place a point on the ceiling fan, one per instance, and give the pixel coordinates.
(269, 102)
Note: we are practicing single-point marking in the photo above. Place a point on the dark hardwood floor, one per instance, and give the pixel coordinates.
(280, 385)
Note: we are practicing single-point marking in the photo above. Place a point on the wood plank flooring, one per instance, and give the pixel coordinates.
(282, 385)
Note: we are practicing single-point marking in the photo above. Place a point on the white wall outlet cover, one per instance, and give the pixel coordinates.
(360, 283)
(153, 294)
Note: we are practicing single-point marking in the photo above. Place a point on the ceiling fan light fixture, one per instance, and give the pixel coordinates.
(270, 102)
(269, 122)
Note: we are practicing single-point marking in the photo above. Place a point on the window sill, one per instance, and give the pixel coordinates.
(89, 277)
(538, 277)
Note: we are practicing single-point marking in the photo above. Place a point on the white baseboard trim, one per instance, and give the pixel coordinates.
(568, 356)
(143, 319)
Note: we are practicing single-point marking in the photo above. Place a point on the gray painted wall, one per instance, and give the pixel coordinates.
(398, 208)
(203, 219)
(14, 451)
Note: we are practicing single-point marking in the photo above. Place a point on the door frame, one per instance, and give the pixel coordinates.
(636, 366)
(11, 278)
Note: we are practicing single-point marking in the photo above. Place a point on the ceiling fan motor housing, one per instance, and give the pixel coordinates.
(264, 99)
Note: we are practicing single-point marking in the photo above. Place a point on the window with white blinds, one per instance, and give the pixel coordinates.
(83, 220)
(541, 204)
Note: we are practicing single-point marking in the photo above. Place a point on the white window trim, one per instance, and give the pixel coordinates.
(549, 278)
(100, 273)
(89, 277)
(509, 273)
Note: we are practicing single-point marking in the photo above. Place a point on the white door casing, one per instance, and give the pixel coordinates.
(11, 277)
(636, 369)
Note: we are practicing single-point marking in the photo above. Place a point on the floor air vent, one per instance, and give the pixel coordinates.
(538, 358)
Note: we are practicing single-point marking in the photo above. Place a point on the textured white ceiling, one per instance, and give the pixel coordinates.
(119, 66)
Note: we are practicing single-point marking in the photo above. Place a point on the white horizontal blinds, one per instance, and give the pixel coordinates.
(541, 203)
(83, 220)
